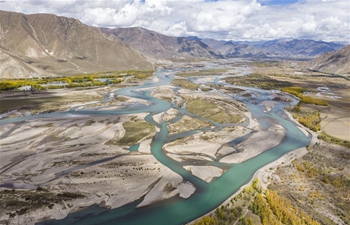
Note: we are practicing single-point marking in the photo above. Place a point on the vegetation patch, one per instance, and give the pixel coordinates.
(209, 72)
(135, 131)
(253, 206)
(267, 64)
(216, 112)
(258, 81)
(188, 123)
(83, 80)
(46, 104)
(15, 202)
(186, 84)
(317, 182)
(274, 209)
(18, 104)
(326, 137)
(311, 120)
(298, 91)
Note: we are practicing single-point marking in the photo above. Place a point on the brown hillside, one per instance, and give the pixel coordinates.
(333, 62)
(158, 46)
(45, 44)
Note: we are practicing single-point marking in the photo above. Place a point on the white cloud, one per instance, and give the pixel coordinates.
(225, 19)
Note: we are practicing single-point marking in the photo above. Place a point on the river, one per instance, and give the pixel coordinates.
(207, 196)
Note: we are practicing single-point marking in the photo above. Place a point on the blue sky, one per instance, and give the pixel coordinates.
(220, 19)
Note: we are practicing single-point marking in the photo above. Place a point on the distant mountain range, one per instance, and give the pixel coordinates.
(45, 45)
(282, 48)
(157, 46)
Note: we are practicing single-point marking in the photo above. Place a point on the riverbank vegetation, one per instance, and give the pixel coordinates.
(82, 80)
(318, 183)
(311, 120)
(298, 92)
(45, 104)
(258, 81)
(255, 206)
(21, 202)
(331, 139)
(207, 72)
(268, 83)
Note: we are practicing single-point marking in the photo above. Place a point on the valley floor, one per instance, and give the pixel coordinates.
(51, 167)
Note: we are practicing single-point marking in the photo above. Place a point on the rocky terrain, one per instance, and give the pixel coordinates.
(333, 62)
(157, 46)
(44, 44)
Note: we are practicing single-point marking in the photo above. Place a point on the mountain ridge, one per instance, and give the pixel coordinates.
(278, 48)
(60, 46)
(337, 62)
(49, 45)
(156, 45)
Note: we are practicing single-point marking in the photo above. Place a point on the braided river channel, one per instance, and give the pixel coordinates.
(207, 196)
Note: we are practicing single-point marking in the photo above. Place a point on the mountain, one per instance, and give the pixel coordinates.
(333, 62)
(295, 48)
(282, 48)
(234, 49)
(154, 45)
(45, 44)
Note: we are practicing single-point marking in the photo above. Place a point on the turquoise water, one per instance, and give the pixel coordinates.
(134, 148)
(207, 195)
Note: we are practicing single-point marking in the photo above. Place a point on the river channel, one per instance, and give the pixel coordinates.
(207, 196)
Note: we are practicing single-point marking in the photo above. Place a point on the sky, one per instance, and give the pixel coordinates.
(249, 20)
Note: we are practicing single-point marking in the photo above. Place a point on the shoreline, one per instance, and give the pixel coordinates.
(266, 171)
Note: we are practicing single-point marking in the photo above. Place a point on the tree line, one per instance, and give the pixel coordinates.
(298, 92)
(82, 80)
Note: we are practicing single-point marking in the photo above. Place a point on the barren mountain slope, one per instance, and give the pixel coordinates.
(159, 46)
(59, 45)
(333, 62)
